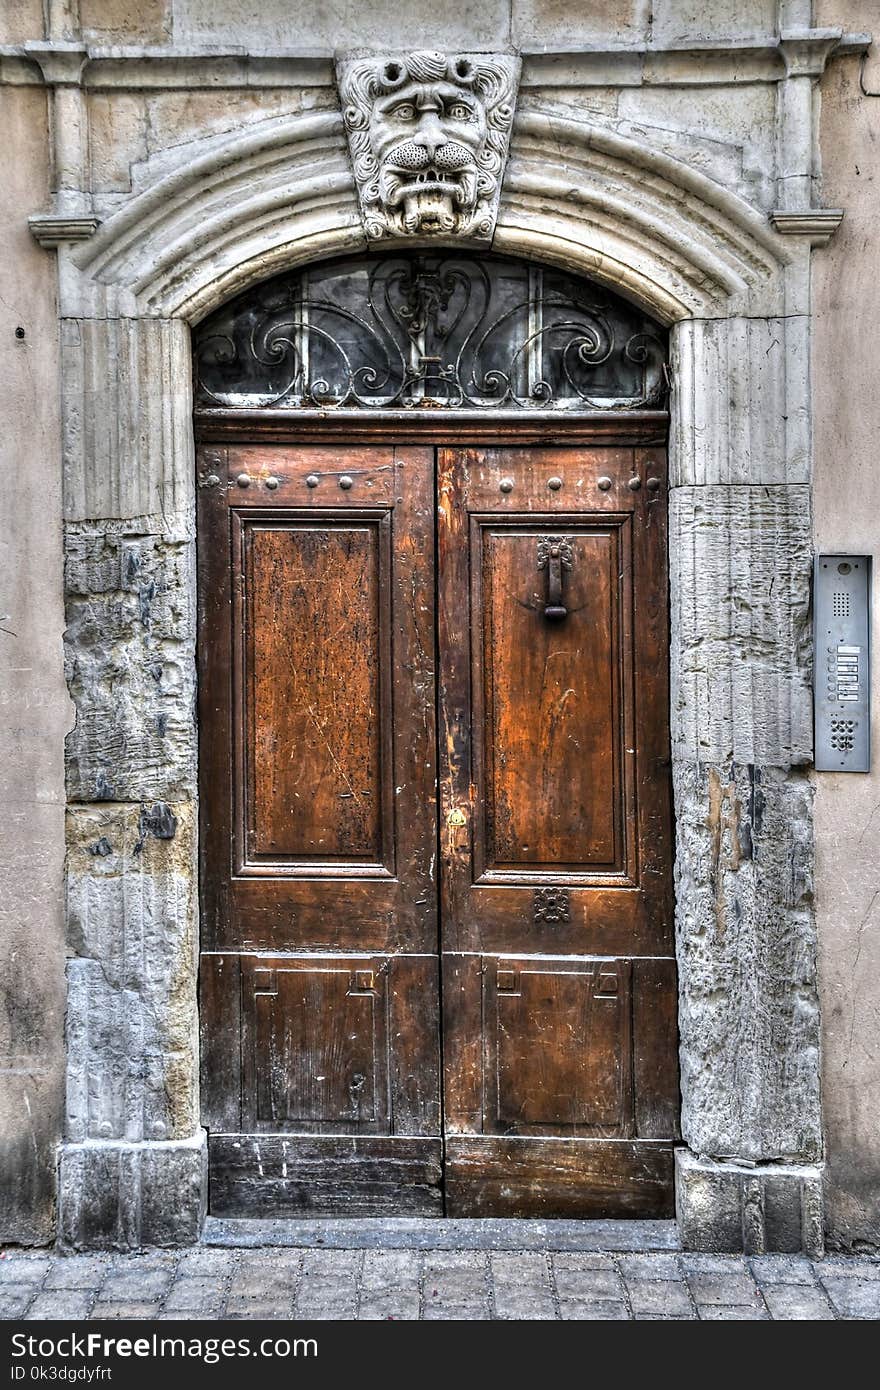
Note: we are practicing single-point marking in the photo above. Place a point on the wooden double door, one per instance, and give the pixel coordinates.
(436, 970)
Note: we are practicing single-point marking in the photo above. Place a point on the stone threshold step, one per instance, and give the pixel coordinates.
(441, 1233)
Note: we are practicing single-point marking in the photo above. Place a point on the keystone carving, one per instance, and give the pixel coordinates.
(429, 134)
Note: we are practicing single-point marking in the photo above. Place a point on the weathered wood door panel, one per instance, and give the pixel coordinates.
(326, 677)
(555, 822)
(322, 969)
(320, 988)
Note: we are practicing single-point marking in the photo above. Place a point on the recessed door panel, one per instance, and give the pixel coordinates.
(557, 1046)
(315, 651)
(553, 801)
(317, 671)
(316, 1045)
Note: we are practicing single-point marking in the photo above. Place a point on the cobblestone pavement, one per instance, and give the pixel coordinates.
(209, 1283)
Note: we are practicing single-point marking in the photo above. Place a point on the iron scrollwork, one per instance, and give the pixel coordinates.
(427, 329)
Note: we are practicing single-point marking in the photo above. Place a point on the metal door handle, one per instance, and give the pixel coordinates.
(554, 556)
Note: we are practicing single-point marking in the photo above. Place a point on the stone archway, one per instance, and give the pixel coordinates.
(736, 295)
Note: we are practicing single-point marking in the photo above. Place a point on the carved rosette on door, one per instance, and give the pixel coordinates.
(551, 905)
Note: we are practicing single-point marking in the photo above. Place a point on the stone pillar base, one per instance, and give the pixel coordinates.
(123, 1196)
(730, 1207)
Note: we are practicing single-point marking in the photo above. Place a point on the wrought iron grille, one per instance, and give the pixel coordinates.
(428, 329)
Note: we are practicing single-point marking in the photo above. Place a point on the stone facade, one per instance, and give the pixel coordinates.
(668, 151)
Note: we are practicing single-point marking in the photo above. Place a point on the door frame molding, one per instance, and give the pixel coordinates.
(621, 429)
(735, 294)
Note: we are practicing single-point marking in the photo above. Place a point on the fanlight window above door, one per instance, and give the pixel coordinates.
(429, 329)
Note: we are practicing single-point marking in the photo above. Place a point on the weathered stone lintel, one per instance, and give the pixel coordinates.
(746, 944)
(223, 65)
(741, 561)
(728, 1207)
(120, 1196)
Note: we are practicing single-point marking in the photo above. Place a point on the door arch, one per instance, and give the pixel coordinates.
(360, 936)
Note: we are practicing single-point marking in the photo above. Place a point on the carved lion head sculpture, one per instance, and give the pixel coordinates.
(429, 134)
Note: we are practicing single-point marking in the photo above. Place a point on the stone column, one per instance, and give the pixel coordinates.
(133, 1164)
(62, 63)
(740, 548)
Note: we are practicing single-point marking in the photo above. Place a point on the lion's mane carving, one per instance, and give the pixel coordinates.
(429, 135)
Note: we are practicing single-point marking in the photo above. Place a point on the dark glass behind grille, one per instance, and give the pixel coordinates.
(430, 328)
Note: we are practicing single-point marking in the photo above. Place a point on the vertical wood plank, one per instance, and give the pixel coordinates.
(214, 652)
(220, 1018)
(655, 1049)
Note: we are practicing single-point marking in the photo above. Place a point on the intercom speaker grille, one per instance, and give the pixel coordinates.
(841, 603)
(843, 734)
